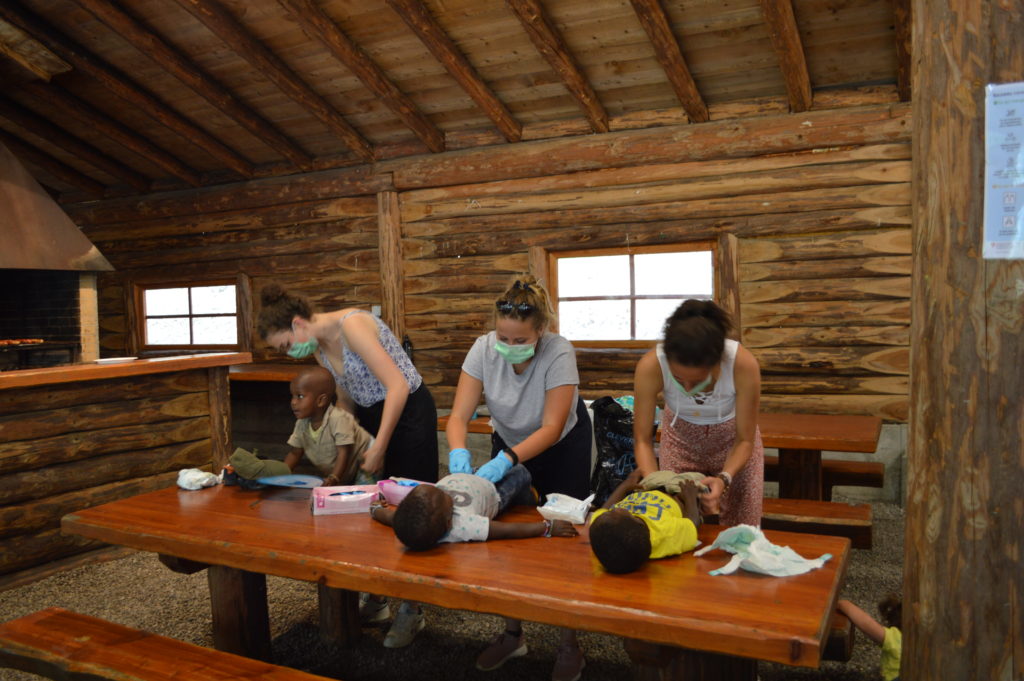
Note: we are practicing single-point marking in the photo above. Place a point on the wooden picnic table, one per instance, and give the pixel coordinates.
(726, 623)
(800, 439)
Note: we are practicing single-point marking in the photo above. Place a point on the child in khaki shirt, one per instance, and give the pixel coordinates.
(330, 438)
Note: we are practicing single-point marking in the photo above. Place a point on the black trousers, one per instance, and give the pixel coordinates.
(412, 451)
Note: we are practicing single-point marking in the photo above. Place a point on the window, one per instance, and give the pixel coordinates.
(625, 295)
(196, 316)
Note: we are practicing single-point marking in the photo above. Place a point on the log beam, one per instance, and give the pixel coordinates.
(785, 36)
(903, 23)
(391, 273)
(122, 86)
(39, 126)
(666, 49)
(58, 169)
(192, 75)
(320, 27)
(545, 36)
(222, 24)
(418, 18)
(79, 109)
(963, 606)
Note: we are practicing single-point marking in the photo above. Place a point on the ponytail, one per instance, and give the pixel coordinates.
(278, 308)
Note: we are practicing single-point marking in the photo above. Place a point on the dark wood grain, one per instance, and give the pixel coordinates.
(548, 580)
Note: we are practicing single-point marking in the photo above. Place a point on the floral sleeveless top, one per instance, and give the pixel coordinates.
(358, 381)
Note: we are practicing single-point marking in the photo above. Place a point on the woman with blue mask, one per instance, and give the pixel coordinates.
(712, 387)
(527, 375)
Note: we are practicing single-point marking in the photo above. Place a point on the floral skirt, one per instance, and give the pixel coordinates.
(687, 447)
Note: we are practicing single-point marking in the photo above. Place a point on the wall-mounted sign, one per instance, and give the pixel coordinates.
(1004, 171)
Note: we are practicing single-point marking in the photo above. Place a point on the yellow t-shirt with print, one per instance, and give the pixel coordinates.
(892, 649)
(671, 532)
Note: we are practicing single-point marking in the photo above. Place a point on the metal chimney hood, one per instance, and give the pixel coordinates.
(35, 234)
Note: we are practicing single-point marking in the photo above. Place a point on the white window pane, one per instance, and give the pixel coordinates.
(213, 299)
(651, 316)
(169, 331)
(594, 319)
(161, 301)
(687, 274)
(606, 275)
(215, 331)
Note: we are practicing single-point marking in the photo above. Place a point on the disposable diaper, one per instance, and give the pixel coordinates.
(753, 552)
(564, 507)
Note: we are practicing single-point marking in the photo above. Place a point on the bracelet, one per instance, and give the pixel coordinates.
(512, 455)
(547, 528)
(726, 478)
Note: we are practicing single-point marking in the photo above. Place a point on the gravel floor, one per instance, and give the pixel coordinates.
(139, 592)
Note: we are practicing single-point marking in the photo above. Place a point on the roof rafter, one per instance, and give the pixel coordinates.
(785, 36)
(666, 49)
(320, 27)
(58, 169)
(902, 15)
(432, 35)
(549, 43)
(188, 72)
(121, 85)
(104, 124)
(37, 125)
(222, 24)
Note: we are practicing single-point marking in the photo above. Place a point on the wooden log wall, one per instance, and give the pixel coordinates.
(67, 447)
(810, 211)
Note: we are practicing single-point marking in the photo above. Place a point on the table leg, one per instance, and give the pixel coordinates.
(238, 600)
(800, 474)
(657, 662)
(339, 615)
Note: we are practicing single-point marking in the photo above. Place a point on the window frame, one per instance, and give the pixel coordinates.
(137, 323)
(681, 247)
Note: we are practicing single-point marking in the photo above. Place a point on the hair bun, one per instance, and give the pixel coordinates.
(271, 293)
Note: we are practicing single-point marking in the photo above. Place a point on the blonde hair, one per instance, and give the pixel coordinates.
(525, 299)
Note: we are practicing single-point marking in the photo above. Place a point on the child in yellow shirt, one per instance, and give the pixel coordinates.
(643, 519)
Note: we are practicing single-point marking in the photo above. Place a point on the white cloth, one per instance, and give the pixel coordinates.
(193, 479)
(754, 553)
(703, 409)
(475, 503)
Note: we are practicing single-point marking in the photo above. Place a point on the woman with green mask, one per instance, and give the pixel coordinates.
(527, 375)
(712, 387)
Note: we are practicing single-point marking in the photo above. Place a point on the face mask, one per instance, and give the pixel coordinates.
(515, 354)
(302, 350)
(696, 389)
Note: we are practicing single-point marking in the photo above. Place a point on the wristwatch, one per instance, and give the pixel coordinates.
(726, 478)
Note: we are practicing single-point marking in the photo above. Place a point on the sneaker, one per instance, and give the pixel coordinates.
(504, 647)
(407, 624)
(569, 664)
(372, 609)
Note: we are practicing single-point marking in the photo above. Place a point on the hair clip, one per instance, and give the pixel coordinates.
(522, 286)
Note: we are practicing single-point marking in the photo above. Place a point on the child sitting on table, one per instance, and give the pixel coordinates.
(887, 635)
(650, 518)
(462, 507)
(329, 437)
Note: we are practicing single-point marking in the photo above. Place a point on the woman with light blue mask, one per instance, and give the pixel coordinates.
(527, 375)
(712, 388)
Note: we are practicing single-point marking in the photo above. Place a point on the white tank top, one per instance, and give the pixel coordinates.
(703, 409)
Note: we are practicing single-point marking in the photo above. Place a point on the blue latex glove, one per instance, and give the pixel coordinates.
(458, 461)
(495, 469)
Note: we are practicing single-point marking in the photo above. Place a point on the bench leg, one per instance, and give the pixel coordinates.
(800, 474)
(339, 615)
(238, 600)
(657, 662)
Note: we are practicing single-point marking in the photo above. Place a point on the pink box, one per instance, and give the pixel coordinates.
(393, 492)
(344, 499)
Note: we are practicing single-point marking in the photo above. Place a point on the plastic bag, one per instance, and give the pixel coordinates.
(563, 507)
(613, 437)
(193, 479)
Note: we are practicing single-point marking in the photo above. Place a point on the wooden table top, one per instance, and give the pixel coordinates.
(832, 432)
(91, 371)
(558, 581)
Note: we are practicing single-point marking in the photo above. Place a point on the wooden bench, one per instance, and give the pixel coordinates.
(819, 517)
(836, 472)
(61, 644)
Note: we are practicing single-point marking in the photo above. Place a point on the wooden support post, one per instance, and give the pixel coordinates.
(238, 600)
(88, 317)
(339, 615)
(963, 610)
(656, 662)
(800, 474)
(392, 287)
(220, 417)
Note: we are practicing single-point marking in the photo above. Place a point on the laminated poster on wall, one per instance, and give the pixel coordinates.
(1004, 171)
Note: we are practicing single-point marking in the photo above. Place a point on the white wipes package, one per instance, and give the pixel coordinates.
(193, 479)
(564, 507)
(755, 553)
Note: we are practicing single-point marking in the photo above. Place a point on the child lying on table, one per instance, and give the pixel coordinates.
(462, 507)
(650, 518)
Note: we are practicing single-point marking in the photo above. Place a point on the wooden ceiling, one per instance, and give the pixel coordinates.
(106, 98)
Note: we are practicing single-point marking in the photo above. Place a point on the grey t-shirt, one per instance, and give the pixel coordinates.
(516, 401)
(475, 503)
